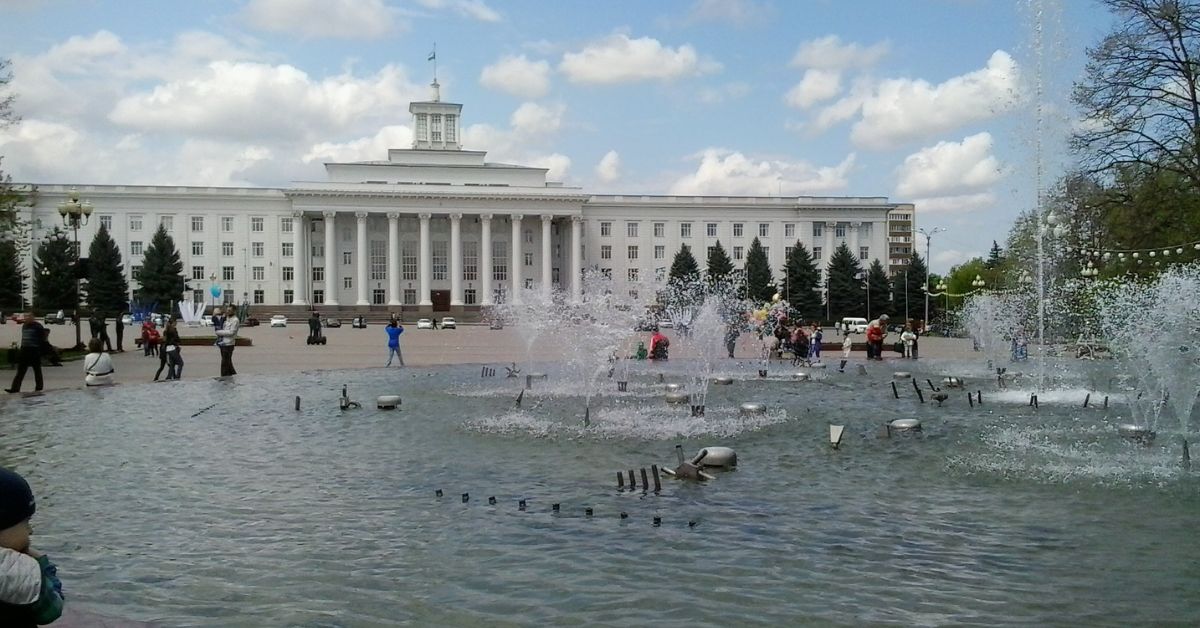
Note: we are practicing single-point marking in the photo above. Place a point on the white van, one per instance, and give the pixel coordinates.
(852, 325)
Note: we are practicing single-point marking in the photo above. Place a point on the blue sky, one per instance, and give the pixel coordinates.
(924, 101)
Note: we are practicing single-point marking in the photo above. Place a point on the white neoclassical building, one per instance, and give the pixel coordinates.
(435, 228)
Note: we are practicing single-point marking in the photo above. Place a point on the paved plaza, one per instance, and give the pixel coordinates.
(284, 349)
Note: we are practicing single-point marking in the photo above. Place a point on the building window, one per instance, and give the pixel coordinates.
(711, 229)
(167, 222)
(632, 252)
(439, 260)
(632, 274)
(287, 249)
(226, 224)
(469, 296)
(766, 252)
(378, 260)
(227, 273)
(318, 296)
(529, 259)
(287, 297)
(685, 229)
(410, 296)
(787, 253)
(227, 249)
(529, 236)
(197, 248)
(259, 297)
(764, 229)
(347, 258)
(258, 273)
(135, 223)
(197, 223)
(197, 272)
(378, 296)
(106, 222)
(318, 250)
(286, 224)
(256, 224)
(529, 284)
(605, 251)
(470, 253)
(135, 247)
(737, 229)
(607, 272)
(605, 229)
(660, 229)
(631, 229)
(256, 249)
(789, 230)
(660, 251)
(500, 260)
(449, 127)
(738, 253)
(347, 282)
(408, 261)
(422, 127)
(288, 273)
(864, 252)
(839, 231)
(816, 253)
(318, 273)
(818, 229)
(435, 127)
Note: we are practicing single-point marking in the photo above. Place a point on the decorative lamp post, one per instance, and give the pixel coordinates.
(928, 236)
(75, 214)
(1090, 271)
(944, 289)
(978, 283)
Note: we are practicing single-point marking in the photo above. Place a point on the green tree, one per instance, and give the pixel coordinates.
(908, 298)
(54, 284)
(718, 264)
(684, 267)
(162, 273)
(844, 285)
(107, 290)
(759, 280)
(12, 276)
(995, 256)
(802, 283)
(879, 290)
(11, 198)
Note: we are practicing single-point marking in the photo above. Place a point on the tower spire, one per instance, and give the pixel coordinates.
(437, 89)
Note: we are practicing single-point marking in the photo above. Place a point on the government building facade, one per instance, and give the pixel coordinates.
(435, 228)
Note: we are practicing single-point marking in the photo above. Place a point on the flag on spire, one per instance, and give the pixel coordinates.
(432, 55)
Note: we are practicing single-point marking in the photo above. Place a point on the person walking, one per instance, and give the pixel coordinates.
(119, 327)
(33, 340)
(394, 329)
(102, 328)
(227, 340)
(170, 355)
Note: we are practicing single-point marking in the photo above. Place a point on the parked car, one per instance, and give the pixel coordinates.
(359, 322)
(333, 322)
(206, 320)
(19, 317)
(425, 323)
(448, 322)
(56, 318)
(250, 322)
(279, 320)
(127, 319)
(666, 323)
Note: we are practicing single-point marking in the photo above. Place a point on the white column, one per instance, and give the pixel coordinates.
(854, 239)
(547, 285)
(426, 261)
(330, 257)
(363, 249)
(299, 255)
(517, 258)
(576, 258)
(485, 259)
(393, 268)
(456, 272)
(829, 227)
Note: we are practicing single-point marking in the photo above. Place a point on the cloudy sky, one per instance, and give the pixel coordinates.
(924, 101)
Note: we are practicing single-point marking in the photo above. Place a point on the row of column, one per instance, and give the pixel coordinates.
(425, 263)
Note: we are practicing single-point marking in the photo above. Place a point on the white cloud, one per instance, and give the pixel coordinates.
(829, 53)
(474, 9)
(609, 168)
(619, 59)
(346, 19)
(722, 93)
(531, 119)
(950, 168)
(362, 149)
(738, 12)
(518, 76)
(959, 204)
(901, 110)
(558, 166)
(730, 173)
(816, 86)
(844, 108)
(532, 129)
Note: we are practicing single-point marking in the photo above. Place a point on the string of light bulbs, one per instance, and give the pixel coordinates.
(1120, 254)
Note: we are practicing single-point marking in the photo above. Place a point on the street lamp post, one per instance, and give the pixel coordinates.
(74, 214)
(944, 289)
(928, 263)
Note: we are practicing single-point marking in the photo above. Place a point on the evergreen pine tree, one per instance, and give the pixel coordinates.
(684, 266)
(12, 276)
(54, 274)
(879, 290)
(917, 270)
(845, 288)
(718, 265)
(162, 273)
(107, 290)
(995, 257)
(759, 279)
(802, 283)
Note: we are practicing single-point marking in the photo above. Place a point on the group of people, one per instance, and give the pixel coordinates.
(802, 340)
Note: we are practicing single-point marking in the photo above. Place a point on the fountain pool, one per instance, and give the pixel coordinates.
(252, 513)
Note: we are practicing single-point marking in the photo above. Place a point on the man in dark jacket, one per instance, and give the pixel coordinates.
(33, 340)
(314, 328)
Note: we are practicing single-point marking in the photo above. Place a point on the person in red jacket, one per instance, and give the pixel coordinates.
(659, 345)
(876, 332)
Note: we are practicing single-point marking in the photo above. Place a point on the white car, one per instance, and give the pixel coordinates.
(279, 320)
(425, 323)
(448, 322)
(206, 320)
(126, 319)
